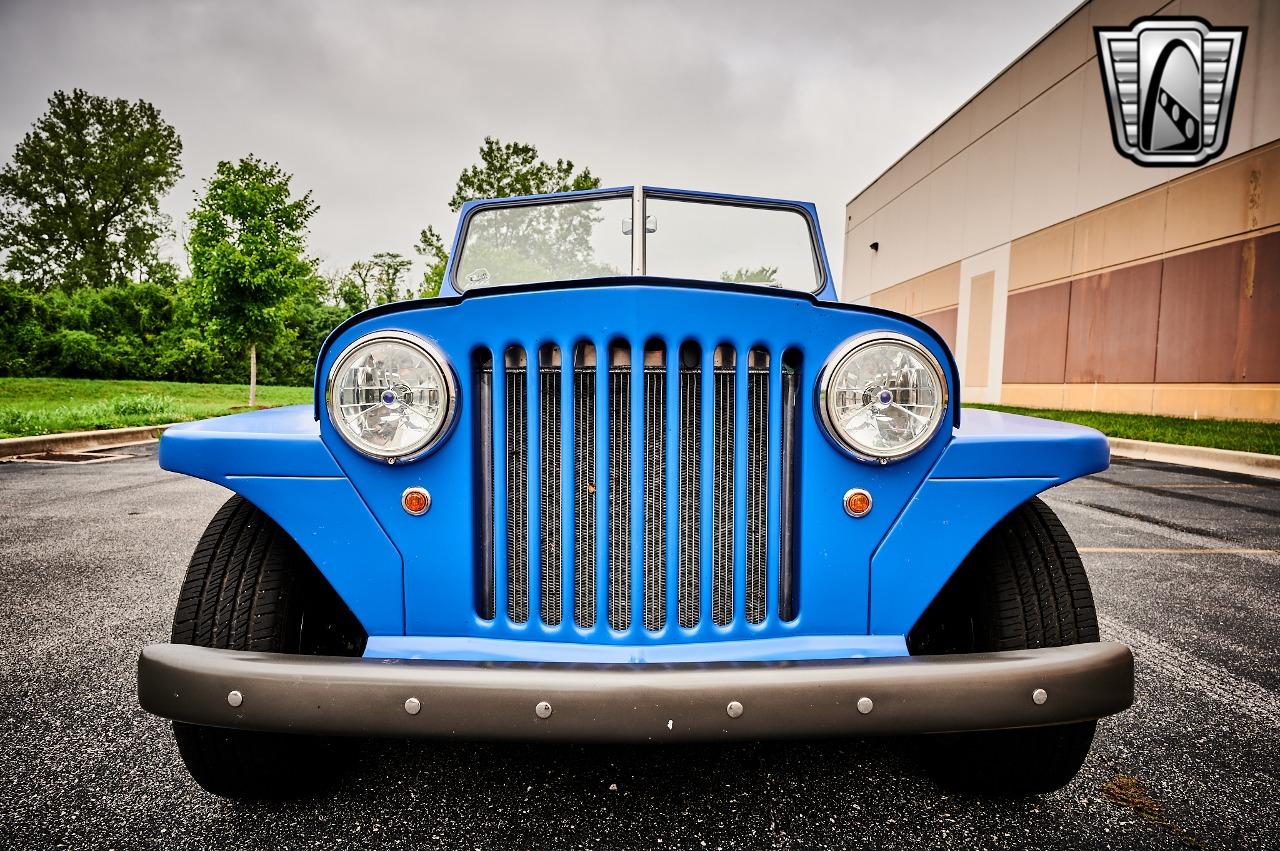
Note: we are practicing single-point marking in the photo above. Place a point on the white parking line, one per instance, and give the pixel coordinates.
(1241, 695)
(1181, 550)
(1073, 513)
(1106, 483)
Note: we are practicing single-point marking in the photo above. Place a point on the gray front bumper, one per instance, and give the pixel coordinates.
(635, 703)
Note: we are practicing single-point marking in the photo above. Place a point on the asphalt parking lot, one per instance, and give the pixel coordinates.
(1185, 565)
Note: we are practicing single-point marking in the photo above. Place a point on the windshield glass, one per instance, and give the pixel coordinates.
(562, 241)
(699, 239)
(729, 242)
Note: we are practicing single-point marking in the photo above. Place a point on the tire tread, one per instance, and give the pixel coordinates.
(246, 589)
(1024, 586)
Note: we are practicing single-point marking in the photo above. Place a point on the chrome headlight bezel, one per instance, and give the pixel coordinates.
(833, 365)
(428, 350)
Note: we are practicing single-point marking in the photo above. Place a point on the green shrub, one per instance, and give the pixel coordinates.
(77, 354)
(148, 330)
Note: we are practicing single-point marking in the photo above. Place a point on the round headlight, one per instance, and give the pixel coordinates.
(881, 396)
(392, 396)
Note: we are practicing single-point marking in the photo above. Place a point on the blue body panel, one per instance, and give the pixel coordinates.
(750, 650)
(835, 550)
(411, 580)
(276, 460)
(995, 462)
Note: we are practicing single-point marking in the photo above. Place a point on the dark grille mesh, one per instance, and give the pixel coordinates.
(648, 496)
(757, 491)
(584, 497)
(722, 495)
(655, 497)
(620, 498)
(689, 580)
(549, 443)
(517, 496)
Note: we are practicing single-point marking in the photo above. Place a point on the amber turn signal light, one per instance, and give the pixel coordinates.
(416, 501)
(857, 502)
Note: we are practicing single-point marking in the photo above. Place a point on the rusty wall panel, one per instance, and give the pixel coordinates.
(1199, 313)
(1035, 336)
(944, 322)
(1259, 360)
(1111, 336)
(1220, 314)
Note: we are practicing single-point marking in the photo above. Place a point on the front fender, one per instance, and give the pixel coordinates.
(995, 463)
(276, 460)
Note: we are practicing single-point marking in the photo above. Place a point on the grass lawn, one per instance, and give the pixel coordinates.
(50, 405)
(1219, 434)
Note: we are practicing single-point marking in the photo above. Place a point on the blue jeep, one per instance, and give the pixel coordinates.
(636, 476)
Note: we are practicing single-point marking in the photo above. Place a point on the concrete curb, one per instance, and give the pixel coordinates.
(79, 441)
(1225, 460)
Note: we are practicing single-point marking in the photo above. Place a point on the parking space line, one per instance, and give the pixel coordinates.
(1246, 551)
(1084, 513)
(1098, 483)
(1224, 500)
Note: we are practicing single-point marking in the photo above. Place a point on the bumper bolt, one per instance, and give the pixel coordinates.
(542, 710)
(865, 705)
(734, 709)
(413, 706)
(235, 698)
(1039, 696)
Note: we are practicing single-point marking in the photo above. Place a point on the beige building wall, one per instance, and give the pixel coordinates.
(1022, 189)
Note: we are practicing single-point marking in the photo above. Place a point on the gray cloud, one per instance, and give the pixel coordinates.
(376, 107)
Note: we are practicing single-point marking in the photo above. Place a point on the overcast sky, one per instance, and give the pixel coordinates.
(376, 107)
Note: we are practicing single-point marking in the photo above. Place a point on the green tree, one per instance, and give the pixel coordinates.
(80, 200)
(516, 243)
(247, 243)
(514, 169)
(758, 275)
(363, 274)
(431, 246)
(308, 318)
(389, 267)
(348, 292)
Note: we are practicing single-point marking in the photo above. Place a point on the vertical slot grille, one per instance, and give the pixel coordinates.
(517, 487)
(655, 490)
(723, 436)
(619, 489)
(584, 486)
(549, 472)
(788, 493)
(689, 590)
(482, 424)
(757, 486)
(636, 511)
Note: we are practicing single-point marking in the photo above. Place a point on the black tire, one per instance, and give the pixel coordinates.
(1023, 586)
(249, 587)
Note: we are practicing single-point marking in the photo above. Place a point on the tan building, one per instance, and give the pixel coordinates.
(1062, 274)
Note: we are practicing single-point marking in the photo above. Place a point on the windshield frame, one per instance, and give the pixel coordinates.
(823, 281)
